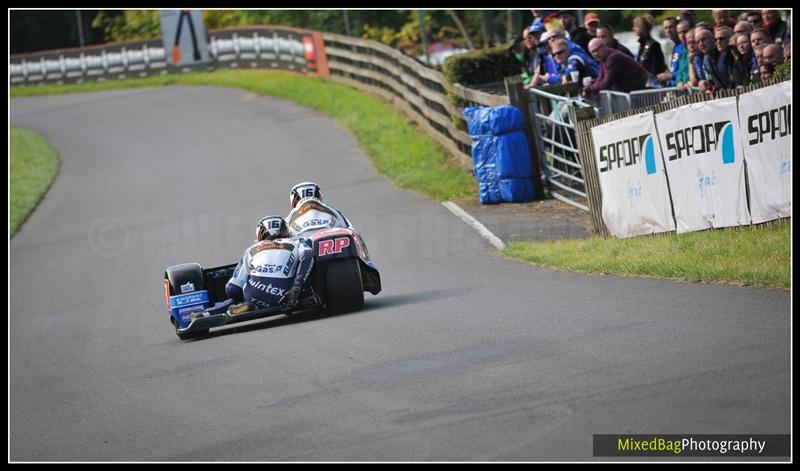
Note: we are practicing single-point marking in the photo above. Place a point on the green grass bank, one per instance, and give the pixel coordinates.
(34, 165)
(757, 256)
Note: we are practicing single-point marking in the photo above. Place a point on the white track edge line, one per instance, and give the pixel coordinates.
(475, 224)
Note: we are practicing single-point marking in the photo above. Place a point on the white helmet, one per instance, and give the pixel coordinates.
(304, 190)
(271, 227)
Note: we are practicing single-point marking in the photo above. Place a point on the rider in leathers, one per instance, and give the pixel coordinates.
(309, 213)
(272, 271)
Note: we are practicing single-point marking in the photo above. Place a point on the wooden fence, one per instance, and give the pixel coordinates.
(416, 90)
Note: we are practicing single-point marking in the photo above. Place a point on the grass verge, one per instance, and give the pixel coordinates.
(34, 165)
(408, 157)
(752, 255)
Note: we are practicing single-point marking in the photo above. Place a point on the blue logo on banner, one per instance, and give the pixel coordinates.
(728, 153)
(649, 156)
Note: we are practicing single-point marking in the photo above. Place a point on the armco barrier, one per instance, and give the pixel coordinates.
(258, 46)
(584, 122)
(95, 63)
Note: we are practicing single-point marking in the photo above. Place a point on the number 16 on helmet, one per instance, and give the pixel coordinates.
(304, 190)
(271, 227)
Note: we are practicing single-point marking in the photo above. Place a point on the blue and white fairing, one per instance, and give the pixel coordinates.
(182, 306)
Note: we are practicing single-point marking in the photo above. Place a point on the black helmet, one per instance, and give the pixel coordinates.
(271, 227)
(304, 190)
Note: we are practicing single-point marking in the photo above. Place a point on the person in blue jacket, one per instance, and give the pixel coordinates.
(576, 54)
(575, 65)
(679, 66)
(545, 70)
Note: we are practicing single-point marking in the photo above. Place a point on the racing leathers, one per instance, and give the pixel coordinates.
(311, 214)
(269, 270)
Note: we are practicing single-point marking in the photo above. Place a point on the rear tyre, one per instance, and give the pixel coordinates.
(189, 276)
(343, 289)
(184, 275)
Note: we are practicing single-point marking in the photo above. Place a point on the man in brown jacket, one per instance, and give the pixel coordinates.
(617, 71)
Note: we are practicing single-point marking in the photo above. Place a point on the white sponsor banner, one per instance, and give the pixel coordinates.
(632, 177)
(703, 156)
(766, 130)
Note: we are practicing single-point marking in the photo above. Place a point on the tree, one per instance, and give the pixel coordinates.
(41, 30)
(132, 24)
(486, 28)
(461, 28)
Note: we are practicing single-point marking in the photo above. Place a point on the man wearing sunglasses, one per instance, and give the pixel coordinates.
(576, 66)
(716, 60)
(547, 71)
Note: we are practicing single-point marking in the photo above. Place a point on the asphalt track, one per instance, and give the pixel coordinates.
(463, 356)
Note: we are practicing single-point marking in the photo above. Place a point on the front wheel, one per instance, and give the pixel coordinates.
(343, 289)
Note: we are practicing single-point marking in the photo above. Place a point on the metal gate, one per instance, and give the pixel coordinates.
(609, 101)
(558, 147)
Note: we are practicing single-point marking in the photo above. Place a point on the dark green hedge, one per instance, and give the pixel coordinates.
(477, 67)
(784, 71)
(480, 66)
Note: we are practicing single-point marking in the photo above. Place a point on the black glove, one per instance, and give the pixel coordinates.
(291, 298)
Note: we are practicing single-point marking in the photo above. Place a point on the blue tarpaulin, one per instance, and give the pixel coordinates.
(500, 154)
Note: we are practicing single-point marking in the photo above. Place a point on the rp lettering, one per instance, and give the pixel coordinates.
(332, 246)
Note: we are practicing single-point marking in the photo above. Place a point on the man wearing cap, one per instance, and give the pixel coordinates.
(591, 21)
(547, 71)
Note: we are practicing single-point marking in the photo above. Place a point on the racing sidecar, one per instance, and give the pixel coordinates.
(342, 272)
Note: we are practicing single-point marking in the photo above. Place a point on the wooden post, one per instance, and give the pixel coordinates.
(518, 97)
(582, 119)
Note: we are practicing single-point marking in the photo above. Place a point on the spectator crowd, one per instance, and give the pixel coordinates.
(731, 53)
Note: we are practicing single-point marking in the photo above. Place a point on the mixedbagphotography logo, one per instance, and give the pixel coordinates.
(690, 445)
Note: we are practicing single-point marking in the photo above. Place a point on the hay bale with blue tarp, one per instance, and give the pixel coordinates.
(500, 154)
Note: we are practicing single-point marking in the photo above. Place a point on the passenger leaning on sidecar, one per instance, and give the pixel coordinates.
(272, 271)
